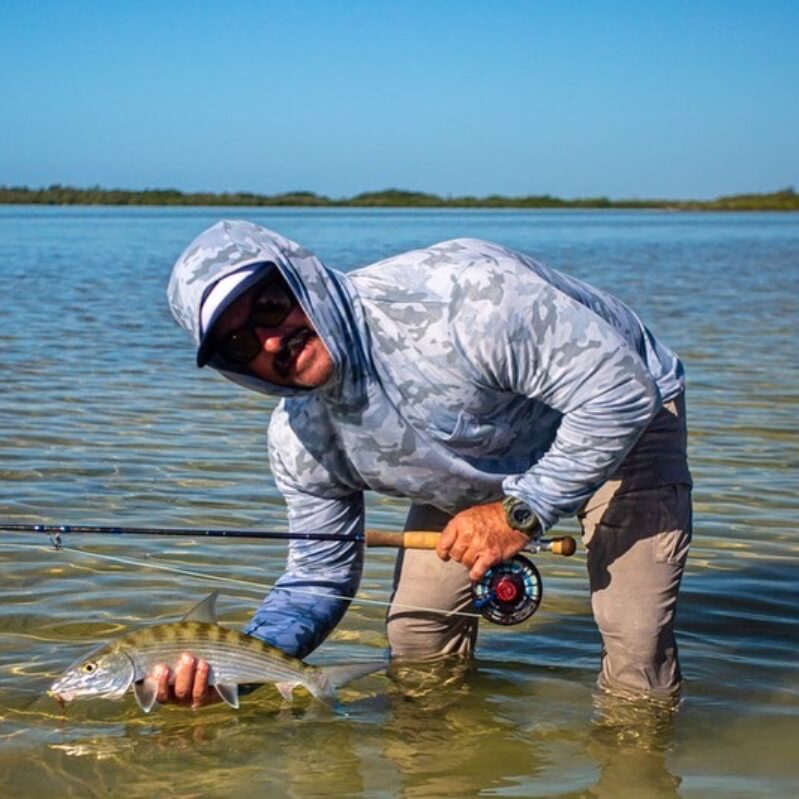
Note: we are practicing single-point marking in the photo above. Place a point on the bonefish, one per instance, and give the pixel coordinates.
(234, 658)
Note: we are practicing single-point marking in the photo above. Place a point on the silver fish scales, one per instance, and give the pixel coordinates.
(233, 657)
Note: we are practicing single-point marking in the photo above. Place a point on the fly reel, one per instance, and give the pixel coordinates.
(509, 592)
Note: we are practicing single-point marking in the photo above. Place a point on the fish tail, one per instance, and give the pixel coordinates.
(341, 674)
(326, 679)
(324, 690)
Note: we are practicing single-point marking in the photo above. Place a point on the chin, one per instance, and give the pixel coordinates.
(315, 377)
(319, 369)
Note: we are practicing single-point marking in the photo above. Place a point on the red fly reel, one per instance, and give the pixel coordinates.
(509, 592)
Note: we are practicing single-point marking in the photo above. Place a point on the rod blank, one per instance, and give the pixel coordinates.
(58, 529)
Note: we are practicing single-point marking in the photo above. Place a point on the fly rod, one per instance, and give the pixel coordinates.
(508, 593)
(410, 539)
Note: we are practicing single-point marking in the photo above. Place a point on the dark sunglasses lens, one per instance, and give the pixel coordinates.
(240, 347)
(272, 306)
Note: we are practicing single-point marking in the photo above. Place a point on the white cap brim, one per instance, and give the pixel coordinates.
(224, 292)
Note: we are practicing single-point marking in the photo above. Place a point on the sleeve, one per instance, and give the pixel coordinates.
(320, 578)
(525, 336)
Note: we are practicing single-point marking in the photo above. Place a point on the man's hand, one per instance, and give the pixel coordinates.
(189, 686)
(479, 538)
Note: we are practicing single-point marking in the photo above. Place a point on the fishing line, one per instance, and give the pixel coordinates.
(507, 593)
(248, 584)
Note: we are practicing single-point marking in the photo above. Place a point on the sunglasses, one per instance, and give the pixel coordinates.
(270, 308)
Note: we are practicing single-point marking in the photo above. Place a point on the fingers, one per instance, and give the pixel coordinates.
(459, 544)
(481, 565)
(479, 561)
(446, 540)
(479, 538)
(160, 675)
(470, 530)
(200, 692)
(184, 677)
(188, 685)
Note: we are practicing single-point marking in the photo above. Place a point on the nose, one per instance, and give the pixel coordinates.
(271, 338)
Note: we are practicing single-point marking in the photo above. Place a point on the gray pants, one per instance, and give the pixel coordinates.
(636, 529)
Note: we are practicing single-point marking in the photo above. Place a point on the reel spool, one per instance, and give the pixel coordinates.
(509, 592)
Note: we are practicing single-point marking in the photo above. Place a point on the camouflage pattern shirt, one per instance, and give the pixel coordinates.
(464, 371)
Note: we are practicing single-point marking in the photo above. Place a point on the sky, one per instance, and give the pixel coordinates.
(572, 98)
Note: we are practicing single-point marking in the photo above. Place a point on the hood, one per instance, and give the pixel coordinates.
(324, 295)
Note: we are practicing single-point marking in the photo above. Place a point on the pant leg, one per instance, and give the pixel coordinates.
(637, 540)
(423, 580)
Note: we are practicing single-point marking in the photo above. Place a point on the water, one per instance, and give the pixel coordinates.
(105, 420)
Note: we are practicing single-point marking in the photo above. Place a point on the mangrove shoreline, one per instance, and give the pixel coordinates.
(782, 200)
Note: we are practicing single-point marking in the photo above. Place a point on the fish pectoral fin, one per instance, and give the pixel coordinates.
(286, 690)
(144, 691)
(204, 611)
(229, 692)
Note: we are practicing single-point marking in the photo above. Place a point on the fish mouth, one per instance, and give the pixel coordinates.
(293, 345)
(62, 697)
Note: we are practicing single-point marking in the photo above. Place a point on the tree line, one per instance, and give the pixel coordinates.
(782, 200)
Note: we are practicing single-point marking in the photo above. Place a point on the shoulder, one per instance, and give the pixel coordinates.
(431, 274)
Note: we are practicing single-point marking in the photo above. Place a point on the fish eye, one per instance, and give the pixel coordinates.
(89, 668)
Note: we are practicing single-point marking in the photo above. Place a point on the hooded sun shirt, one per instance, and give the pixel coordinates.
(464, 371)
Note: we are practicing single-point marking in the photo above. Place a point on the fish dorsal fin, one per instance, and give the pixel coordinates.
(205, 611)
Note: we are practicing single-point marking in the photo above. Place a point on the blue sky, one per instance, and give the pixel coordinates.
(625, 99)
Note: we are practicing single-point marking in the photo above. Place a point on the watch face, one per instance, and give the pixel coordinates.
(522, 515)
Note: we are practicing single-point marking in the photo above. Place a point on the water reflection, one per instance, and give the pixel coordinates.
(448, 736)
(442, 729)
(630, 740)
(288, 750)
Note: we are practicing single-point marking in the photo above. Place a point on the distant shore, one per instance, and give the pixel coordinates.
(782, 200)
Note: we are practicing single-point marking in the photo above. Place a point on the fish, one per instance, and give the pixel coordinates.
(234, 659)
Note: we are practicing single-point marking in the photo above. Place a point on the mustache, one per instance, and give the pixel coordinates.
(291, 346)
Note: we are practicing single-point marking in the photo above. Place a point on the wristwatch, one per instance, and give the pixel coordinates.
(520, 516)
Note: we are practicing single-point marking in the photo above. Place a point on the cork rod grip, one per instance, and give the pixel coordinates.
(411, 539)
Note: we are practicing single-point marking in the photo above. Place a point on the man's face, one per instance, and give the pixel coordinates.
(291, 353)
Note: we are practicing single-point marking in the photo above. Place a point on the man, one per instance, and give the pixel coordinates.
(494, 393)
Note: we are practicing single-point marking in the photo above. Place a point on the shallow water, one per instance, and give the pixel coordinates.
(105, 420)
